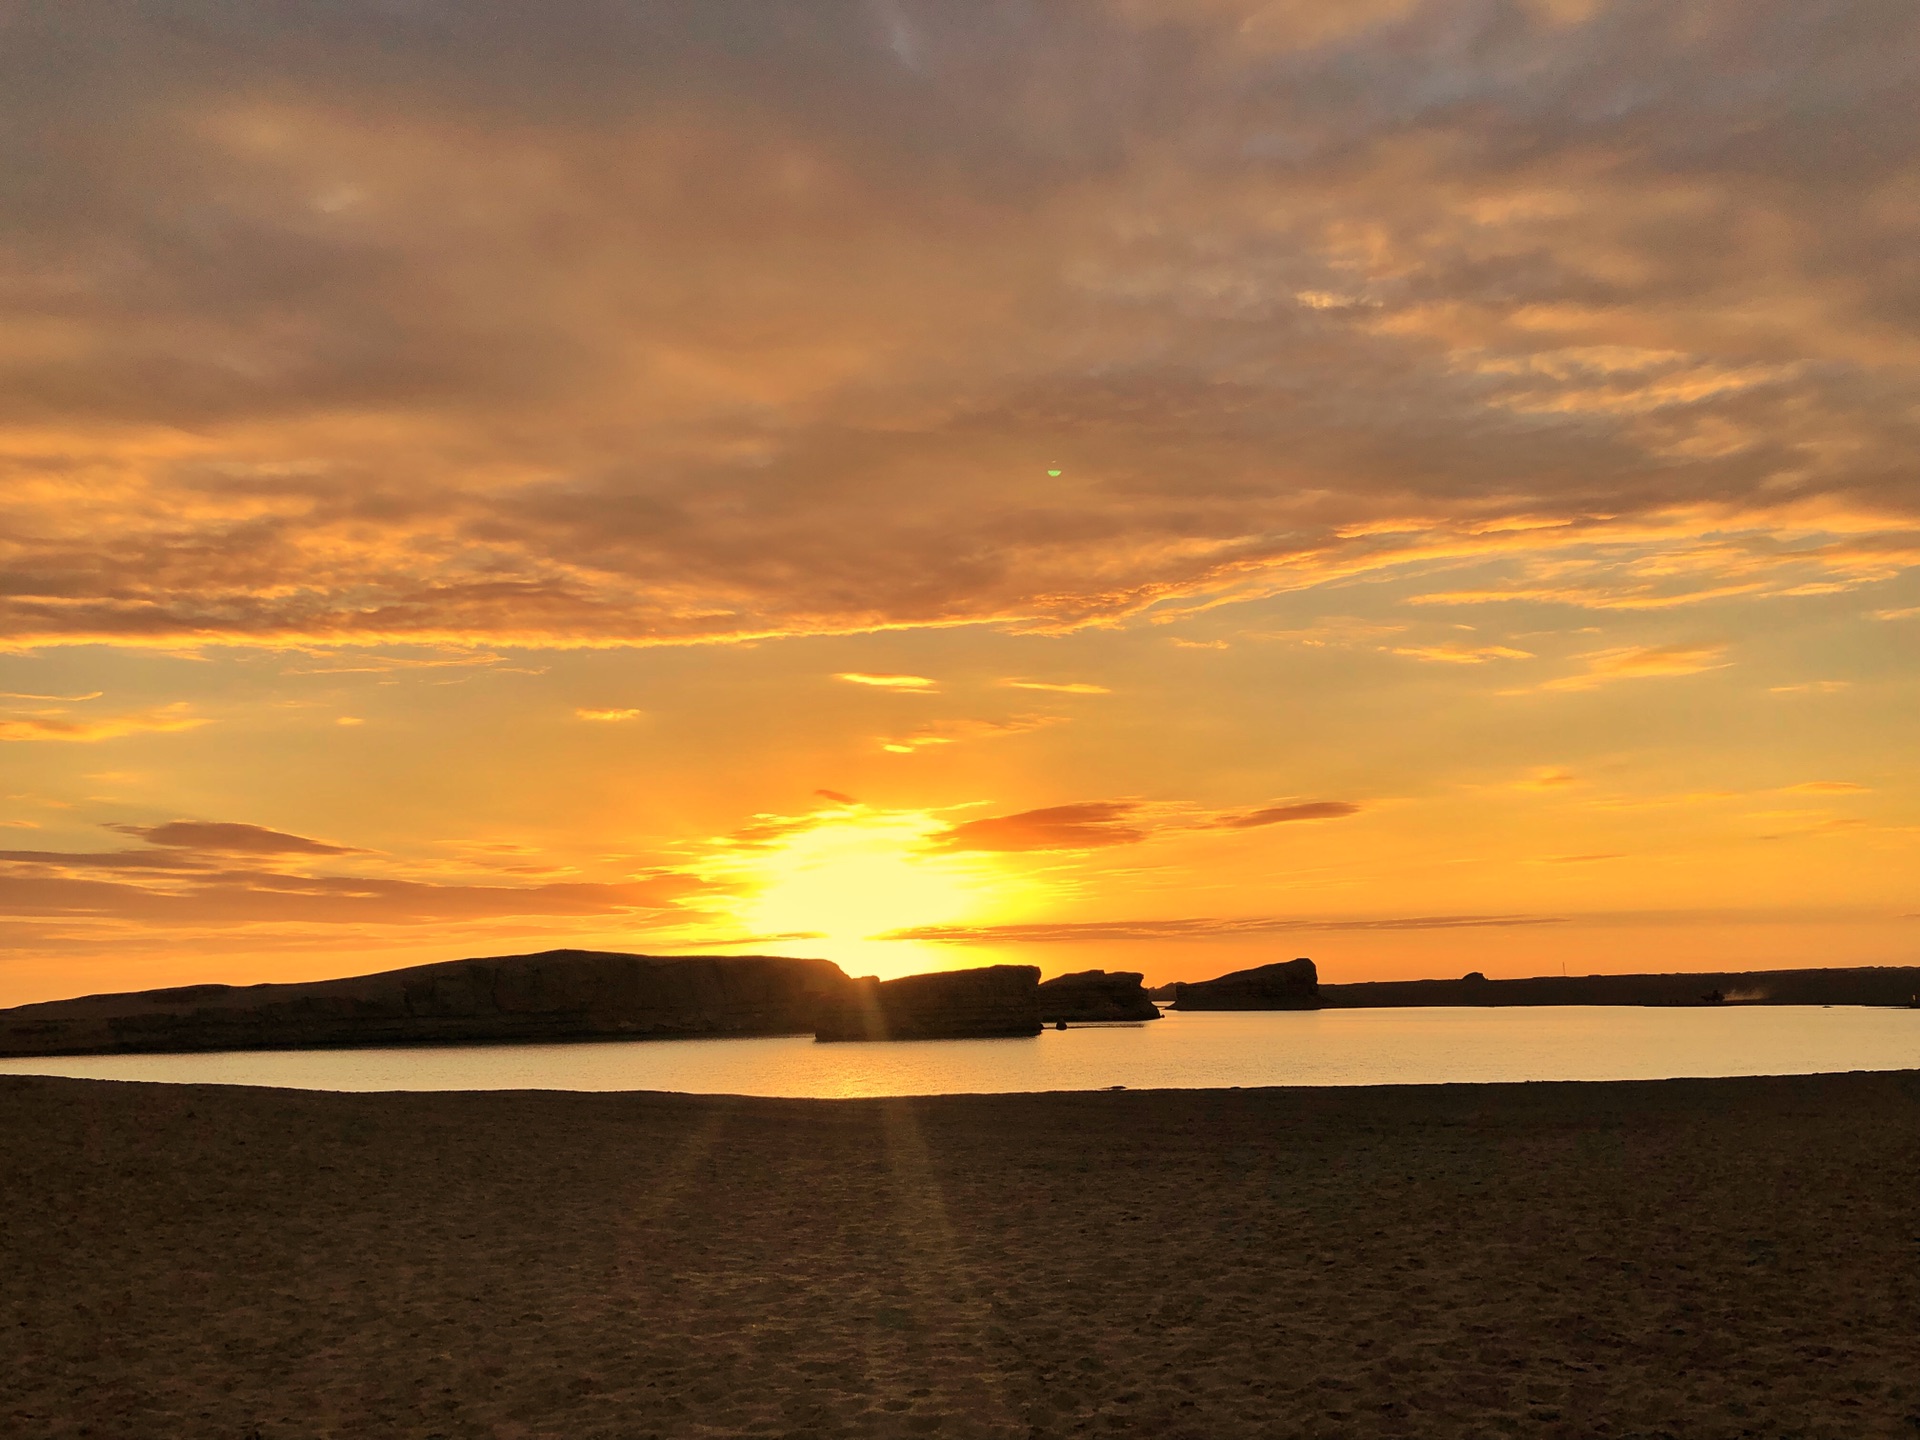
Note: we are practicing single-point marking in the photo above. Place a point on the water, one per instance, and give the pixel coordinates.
(1191, 1051)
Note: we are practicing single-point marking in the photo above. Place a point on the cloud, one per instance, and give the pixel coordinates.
(1097, 824)
(608, 715)
(1630, 663)
(1826, 787)
(953, 732)
(1076, 687)
(58, 725)
(108, 860)
(1280, 814)
(1611, 311)
(229, 838)
(388, 664)
(1547, 777)
(1104, 931)
(213, 876)
(1089, 825)
(234, 898)
(1462, 654)
(919, 684)
(836, 797)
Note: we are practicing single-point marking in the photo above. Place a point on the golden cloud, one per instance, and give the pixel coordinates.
(59, 725)
(916, 683)
(1606, 666)
(1070, 687)
(388, 371)
(1089, 825)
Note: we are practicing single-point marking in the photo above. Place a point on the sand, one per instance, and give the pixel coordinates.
(1692, 1258)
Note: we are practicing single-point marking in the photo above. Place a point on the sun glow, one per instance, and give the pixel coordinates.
(850, 877)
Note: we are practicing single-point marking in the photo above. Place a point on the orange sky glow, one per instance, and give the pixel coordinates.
(1165, 486)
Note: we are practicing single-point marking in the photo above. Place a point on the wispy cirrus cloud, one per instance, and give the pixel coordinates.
(1098, 824)
(1059, 687)
(1640, 663)
(1282, 814)
(915, 684)
(953, 732)
(1462, 654)
(60, 725)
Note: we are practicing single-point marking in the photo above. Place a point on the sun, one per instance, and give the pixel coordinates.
(856, 876)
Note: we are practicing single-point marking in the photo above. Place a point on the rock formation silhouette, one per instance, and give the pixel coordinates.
(948, 1004)
(1090, 995)
(554, 995)
(1289, 985)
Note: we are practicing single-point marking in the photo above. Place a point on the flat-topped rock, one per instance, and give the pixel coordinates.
(1289, 985)
(1091, 995)
(554, 995)
(945, 1005)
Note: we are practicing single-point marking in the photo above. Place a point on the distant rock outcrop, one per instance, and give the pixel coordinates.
(1855, 985)
(555, 995)
(1095, 995)
(1289, 985)
(945, 1005)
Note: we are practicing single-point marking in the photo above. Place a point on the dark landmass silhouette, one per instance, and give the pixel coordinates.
(554, 995)
(1094, 995)
(561, 995)
(1857, 985)
(945, 1005)
(1294, 985)
(1288, 985)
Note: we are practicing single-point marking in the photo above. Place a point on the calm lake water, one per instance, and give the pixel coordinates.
(1193, 1051)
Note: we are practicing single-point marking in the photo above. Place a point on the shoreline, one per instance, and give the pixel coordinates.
(1718, 1257)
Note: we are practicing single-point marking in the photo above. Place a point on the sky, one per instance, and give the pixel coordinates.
(1164, 485)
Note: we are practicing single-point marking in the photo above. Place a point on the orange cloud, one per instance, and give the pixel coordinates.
(1089, 825)
(192, 877)
(58, 725)
(437, 402)
(1280, 814)
(1462, 654)
(1076, 687)
(952, 732)
(1607, 666)
(916, 683)
(229, 837)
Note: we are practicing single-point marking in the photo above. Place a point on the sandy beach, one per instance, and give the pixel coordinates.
(1688, 1258)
